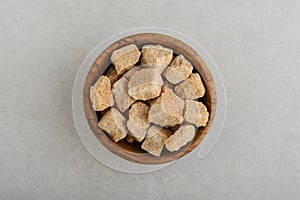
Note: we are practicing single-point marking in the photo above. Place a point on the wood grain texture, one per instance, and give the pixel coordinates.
(133, 152)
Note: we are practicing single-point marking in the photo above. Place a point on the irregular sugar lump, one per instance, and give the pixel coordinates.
(101, 95)
(157, 55)
(120, 91)
(114, 123)
(166, 110)
(191, 88)
(179, 70)
(145, 84)
(195, 113)
(138, 122)
(155, 140)
(180, 138)
(125, 58)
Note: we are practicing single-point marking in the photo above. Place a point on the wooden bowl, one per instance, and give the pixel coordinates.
(133, 152)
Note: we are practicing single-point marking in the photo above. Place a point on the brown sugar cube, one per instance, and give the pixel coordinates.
(125, 58)
(101, 95)
(180, 138)
(155, 140)
(195, 113)
(145, 84)
(138, 122)
(191, 88)
(112, 75)
(114, 123)
(179, 70)
(166, 110)
(129, 139)
(120, 92)
(156, 54)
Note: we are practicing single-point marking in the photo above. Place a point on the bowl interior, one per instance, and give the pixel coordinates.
(132, 151)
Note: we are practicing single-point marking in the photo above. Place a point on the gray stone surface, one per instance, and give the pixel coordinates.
(255, 44)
